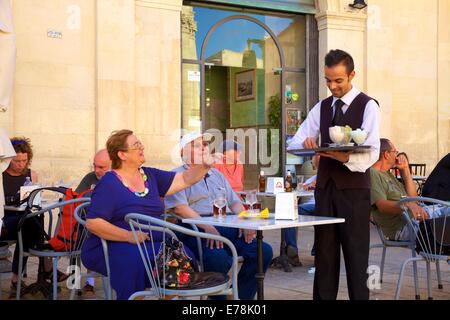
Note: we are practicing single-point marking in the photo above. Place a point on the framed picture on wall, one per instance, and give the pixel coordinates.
(245, 85)
(293, 120)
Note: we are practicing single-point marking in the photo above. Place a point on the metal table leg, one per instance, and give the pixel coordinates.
(260, 270)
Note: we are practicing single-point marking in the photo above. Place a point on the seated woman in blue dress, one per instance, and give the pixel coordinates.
(128, 188)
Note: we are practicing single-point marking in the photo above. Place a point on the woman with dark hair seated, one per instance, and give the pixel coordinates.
(129, 188)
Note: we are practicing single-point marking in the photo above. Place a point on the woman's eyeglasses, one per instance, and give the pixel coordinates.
(136, 146)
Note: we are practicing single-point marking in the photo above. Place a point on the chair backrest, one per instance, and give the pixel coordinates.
(391, 242)
(141, 223)
(432, 235)
(418, 169)
(39, 216)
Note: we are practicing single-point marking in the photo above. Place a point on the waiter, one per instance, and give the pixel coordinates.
(343, 180)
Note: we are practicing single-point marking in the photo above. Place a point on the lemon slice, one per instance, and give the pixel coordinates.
(265, 213)
(243, 214)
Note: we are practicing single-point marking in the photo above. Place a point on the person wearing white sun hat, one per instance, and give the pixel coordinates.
(196, 201)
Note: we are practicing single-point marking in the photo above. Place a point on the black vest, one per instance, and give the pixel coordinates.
(333, 169)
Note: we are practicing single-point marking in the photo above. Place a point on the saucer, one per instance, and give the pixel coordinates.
(337, 145)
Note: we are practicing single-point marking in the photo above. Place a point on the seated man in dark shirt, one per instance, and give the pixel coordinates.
(101, 165)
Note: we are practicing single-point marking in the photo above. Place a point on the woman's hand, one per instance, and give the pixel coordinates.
(141, 237)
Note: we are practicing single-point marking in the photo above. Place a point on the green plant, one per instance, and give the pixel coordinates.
(275, 123)
(275, 111)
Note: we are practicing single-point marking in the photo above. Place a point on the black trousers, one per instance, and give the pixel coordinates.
(354, 206)
(31, 235)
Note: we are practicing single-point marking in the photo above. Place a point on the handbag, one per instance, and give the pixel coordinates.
(173, 266)
(174, 269)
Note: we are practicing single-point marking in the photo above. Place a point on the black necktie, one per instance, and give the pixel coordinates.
(338, 114)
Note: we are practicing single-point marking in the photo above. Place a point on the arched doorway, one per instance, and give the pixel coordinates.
(241, 69)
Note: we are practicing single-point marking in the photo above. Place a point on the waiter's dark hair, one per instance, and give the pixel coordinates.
(335, 57)
(385, 145)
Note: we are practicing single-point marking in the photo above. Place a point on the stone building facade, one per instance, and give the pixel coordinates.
(116, 64)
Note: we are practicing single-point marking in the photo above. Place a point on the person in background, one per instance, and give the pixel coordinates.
(197, 201)
(386, 191)
(13, 178)
(305, 208)
(101, 164)
(437, 185)
(231, 166)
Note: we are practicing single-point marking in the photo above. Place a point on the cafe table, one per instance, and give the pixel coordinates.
(260, 225)
(282, 259)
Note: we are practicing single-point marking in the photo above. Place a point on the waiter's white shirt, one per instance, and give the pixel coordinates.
(358, 162)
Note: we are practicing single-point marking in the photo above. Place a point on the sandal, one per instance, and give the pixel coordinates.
(13, 288)
(61, 276)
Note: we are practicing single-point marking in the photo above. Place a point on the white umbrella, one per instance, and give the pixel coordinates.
(6, 154)
(7, 54)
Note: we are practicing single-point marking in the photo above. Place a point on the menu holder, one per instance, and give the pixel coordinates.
(312, 151)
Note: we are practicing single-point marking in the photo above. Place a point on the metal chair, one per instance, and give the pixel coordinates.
(418, 169)
(80, 216)
(432, 237)
(199, 241)
(385, 243)
(143, 223)
(72, 252)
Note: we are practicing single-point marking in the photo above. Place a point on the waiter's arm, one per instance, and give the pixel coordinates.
(310, 128)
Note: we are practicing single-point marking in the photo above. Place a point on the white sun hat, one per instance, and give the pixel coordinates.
(191, 136)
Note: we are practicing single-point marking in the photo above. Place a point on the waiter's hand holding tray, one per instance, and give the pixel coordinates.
(312, 151)
(341, 137)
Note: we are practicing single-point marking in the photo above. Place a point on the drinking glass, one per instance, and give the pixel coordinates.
(300, 183)
(220, 202)
(251, 199)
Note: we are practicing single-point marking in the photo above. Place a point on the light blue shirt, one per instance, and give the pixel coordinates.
(200, 196)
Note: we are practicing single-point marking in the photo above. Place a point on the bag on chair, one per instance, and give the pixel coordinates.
(175, 270)
(173, 266)
(66, 235)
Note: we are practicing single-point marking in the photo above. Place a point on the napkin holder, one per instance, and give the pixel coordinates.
(286, 206)
(275, 185)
